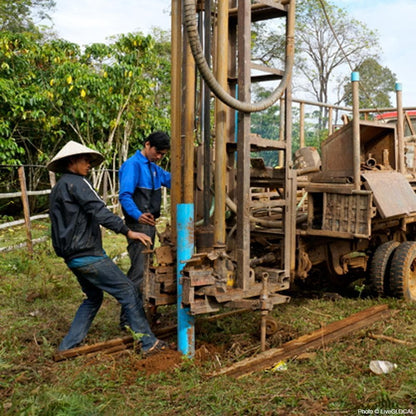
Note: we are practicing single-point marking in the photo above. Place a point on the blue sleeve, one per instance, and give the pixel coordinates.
(129, 178)
(165, 177)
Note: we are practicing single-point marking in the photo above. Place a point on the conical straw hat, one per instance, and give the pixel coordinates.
(60, 161)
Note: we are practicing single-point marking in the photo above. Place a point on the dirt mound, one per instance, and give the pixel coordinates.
(164, 361)
(170, 360)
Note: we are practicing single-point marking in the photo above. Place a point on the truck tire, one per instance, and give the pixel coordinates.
(379, 267)
(403, 272)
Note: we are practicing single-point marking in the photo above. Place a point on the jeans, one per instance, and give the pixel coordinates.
(137, 261)
(94, 279)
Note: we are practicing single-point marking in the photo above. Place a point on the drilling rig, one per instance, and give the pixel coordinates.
(244, 218)
(258, 228)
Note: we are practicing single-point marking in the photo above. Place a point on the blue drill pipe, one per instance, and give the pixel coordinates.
(185, 249)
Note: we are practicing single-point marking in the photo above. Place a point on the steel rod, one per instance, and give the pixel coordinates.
(206, 117)
(243, 146)
(176, 104)
(221, 125)
(400, 127)
(355, 78)
(189, 127)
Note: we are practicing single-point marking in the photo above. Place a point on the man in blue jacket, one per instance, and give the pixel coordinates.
(76, 213)
(141, 181)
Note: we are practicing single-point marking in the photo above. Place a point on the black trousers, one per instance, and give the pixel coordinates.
(137, 260)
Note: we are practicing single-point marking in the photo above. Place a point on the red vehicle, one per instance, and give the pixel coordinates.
(409, 134)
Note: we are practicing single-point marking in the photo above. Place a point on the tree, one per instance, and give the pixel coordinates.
(267, 125)
(24, 15)
(328, 44)
(376, 84)
(108, 96)
(323, 48)
(132, 92)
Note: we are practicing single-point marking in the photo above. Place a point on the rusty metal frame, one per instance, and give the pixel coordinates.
(243, 146)
(233, 174)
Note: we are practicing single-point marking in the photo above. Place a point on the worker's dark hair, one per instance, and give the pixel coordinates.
(159, 139)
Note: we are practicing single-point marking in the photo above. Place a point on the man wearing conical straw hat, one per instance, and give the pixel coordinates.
(76, 213)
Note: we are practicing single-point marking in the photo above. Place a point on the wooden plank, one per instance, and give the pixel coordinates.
(21, 245)
(94, 348)
(19, 194)
(162, 269)
(19, 222)
(316, 339)
(106, 347)
(162, 299)
(263, 11)
(120, 344)
(112, 350)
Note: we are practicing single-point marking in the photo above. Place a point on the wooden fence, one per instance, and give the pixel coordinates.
(101, 178)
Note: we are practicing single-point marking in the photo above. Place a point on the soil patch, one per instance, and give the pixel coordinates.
(165, 361)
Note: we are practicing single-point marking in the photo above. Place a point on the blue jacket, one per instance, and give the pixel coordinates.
(141, 184)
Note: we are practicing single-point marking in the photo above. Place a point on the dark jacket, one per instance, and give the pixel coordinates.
(76, 213)
(140, 187)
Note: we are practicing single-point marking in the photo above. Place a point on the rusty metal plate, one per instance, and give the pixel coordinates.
(347, 213)
(393, 194)
(164, 255)
(376, 139)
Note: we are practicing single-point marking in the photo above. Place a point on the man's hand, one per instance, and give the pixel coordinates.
(145, 239)
(147, 218)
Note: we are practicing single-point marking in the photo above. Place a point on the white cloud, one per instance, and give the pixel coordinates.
(394, 23)
(90, 21)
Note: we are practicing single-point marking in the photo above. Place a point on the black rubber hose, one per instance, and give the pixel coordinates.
(216, 88)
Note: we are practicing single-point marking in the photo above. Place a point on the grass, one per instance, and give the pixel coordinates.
(38, 299)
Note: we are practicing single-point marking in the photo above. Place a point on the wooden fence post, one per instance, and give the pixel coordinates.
(26, 210)
(52, 179)
(105, 186)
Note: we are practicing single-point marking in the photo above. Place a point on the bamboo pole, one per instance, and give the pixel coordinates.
(26, 210)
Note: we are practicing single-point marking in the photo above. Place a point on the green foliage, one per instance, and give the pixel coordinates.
(5, 218)
(322, 58)
(53, 403)
(320, 53)
(376, 85)
(107, 96)
(267, 125)
(19, 15)
(267, 122)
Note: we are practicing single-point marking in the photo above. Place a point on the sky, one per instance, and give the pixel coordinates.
(88, 21)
